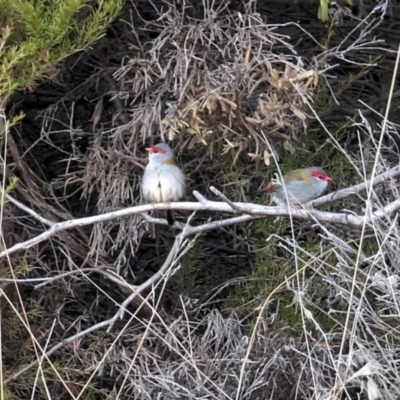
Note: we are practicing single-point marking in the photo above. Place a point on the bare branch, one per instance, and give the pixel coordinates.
(136, 290)
(151, 281)
(253, 211)
(343, 193)
(199, 197)
(29, 211)
(224, 198)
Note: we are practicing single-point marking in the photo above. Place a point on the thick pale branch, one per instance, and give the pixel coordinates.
(245, 208)
(224, 198)
(252, 211)
(387, 210)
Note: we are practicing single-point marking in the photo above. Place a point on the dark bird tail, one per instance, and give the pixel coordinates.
(270, 188)
(170, 217)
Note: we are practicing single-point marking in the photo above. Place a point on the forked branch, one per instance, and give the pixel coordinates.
(250, 212)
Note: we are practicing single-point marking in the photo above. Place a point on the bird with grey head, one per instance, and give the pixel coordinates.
(163, 181)
(298, 186)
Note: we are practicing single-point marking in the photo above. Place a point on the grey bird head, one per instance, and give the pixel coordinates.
(161, 153)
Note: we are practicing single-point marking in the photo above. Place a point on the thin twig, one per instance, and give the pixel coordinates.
(29, 211)
(224, 198)
(199, 197)
(136, 290)
(151, 281)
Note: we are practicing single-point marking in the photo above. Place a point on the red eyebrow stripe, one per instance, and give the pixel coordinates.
(321, 175)
(155, 149)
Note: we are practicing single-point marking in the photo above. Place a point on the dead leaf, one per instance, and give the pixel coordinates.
(222, 104)
(229, 102)
(289, 147)
(274, 78)
(263, 109)
(195, 125)
(316, 78)
(253, 156)
(193, 142)
(253, 120)
(247, 56)
(267, 158)
(299, 114)
(183, 123)
(305, 75)
(210, 103)
(171, 134)
(98, 110)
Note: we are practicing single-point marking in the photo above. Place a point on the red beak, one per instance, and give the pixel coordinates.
(268, 188)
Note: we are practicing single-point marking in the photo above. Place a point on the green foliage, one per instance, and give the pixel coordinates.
(6, 394)
(35, 36)
(323, 9)
(10, 187)
(271, 268)
(323, 14)
(187, 277)
(22, 269)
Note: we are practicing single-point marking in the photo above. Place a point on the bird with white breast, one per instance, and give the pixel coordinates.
(300, 186)
(163, 181)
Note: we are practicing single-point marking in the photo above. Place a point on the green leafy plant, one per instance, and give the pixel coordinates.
(35, 36)
(323, 9)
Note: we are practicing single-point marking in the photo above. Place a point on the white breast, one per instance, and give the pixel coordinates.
(163, 183)
(300, 192)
